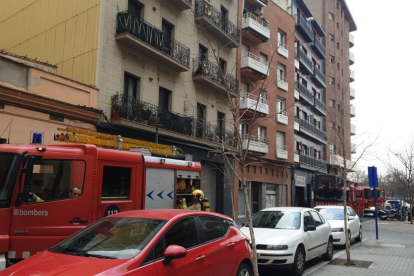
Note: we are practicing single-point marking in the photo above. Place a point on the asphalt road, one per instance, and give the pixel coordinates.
(312, 265)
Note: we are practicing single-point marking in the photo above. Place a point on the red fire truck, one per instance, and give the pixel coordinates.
(330, 190)
(36, 210)
(369, 198)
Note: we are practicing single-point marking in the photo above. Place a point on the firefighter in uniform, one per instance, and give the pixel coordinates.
(199, 202)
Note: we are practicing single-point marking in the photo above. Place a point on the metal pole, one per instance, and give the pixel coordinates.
(376, 213)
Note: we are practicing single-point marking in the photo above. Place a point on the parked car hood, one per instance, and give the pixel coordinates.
(51, 264)
(268, 235)
(337, 223)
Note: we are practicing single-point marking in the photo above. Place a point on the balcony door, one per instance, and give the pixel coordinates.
(164, 98)
(280, 140)
(221, 118)
(135, 8)
(167, 31)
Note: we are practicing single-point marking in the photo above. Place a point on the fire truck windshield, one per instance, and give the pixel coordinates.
(8, 172)
(334, 195)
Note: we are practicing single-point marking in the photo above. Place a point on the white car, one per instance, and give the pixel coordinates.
(388, 204)
(335, 216)
(287, 237)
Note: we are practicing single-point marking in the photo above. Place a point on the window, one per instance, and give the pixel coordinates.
(261, 133)
(212, 228)
(331, 103)
(243, 129)
(263, 58)
(331, 59)
(223, 65)
(332, 80)
(339, 86)
(221, 119)
(332, 148)
(331, 37)
(167, 29)
(281, 38)
(332, 125)
(130, 87)
(280, 140)
(201, 120)
(337, 45)
(338, 5)
(224, 17)
(54, 179)
(281, 72)
(316, 218)
(307, 219)
(281, 105)
(331, 16)
(135, 8)
(164, 98)
(202, 52)
(337, 25)
(183, 233)
(116, 182)
(337, 66)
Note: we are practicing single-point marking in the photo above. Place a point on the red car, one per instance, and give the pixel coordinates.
(147, 242)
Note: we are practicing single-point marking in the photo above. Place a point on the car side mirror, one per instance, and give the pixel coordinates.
(351, 218)
(310, 228)
(174, 252)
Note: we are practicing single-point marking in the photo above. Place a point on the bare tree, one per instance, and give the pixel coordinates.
(400, 165)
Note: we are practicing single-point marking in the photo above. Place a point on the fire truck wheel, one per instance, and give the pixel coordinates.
(359, 238)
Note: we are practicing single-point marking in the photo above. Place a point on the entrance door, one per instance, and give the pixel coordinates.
(255, 199)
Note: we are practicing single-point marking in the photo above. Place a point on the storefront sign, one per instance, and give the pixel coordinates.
(300, 181)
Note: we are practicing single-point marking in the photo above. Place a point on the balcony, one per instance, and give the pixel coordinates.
(312, 162)
(319, 77)
(353, 129)
(281, 152)
(262, 3)
(296, 91)
(296, 157)
(182, 4)
(351, 40)
(304, 27)
(319, 48)
(281, 117)
(352, 76)
(312, 131)
(256, 144)
(139, 34)
(210, 75)
(141, 115)
(353, 148)
(255, 29)
(352, 111)
(252, 104)
(254, 67)
(305, 94)
(282, 83)
(320, 107)
(297, 64)
(306, 64)
(338, 161)
(352, 93)
(212, 20)
(296, 124)
(351, 58)
(282, 49)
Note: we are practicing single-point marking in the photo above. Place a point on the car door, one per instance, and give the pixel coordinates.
(183, 233)
(311, 237)
(353, 224)
(322, 232)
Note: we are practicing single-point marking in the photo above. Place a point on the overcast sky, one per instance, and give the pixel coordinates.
(383, 74)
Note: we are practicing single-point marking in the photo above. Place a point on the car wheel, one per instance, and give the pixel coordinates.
(388, 208)
(299, 262)
(329, 251)
(383, 217)
(244, 270)
(359, 238)
(349, 238)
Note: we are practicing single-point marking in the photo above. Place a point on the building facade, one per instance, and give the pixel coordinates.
(163, 69)
(266, 105)
(338, 23)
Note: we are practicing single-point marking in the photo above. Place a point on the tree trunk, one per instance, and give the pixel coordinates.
(347, 241)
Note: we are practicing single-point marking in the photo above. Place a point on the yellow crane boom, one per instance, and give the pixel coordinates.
(77, 135)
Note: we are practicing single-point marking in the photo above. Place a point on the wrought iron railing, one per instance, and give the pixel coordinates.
(149, 114)
(319, 74)
(305, 59)
(127, 22)
(318, 44)
(305, 93)
(202, 7)
(319, 104)
(208, 69)
(312, 129)
(301, 21)
(312, 161)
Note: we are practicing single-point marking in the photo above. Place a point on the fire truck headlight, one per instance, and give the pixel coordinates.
(337, 229)
(372, 208)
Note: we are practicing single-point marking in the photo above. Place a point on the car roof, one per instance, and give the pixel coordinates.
(330, 207)
(291, 209)
(165, 214)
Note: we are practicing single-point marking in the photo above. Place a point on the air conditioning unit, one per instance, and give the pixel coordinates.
(258, 10)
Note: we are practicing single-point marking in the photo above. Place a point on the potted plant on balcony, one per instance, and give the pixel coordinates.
(116, 106)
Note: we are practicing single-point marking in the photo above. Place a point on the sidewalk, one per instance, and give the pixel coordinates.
(391, 254)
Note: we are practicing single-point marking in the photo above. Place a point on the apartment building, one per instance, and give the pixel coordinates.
(158, 66)
(338, 23)
(266, 105)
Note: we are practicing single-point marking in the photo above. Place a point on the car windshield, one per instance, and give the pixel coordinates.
(8, 172)
(332, 214)
(277, 220)
(111, 238)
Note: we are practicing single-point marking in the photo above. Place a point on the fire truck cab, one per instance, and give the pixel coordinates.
(37, 209)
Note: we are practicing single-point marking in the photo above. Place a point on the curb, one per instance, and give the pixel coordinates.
(335, 256)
